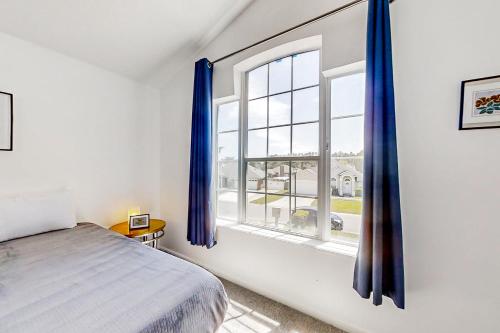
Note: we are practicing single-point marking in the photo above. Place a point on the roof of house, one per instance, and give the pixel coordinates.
(339, 169)
(306, 174)
(229, 169)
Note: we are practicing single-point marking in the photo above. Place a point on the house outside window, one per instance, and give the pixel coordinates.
(273, 146)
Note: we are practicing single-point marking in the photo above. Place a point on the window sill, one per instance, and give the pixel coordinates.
(337, 247)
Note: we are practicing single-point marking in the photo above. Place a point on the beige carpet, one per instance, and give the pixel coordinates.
(252, 313)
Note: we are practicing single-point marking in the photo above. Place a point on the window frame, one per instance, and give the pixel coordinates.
(321, 219)
(330, 75)
(215, 159)
(323, 158)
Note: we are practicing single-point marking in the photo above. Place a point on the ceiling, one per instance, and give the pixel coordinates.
(129, 37)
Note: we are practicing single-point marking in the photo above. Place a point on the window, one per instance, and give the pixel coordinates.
(346, 164)
(273, 173)
(227, 160)
(282, 155)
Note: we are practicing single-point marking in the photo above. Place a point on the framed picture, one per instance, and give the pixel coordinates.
(138, 221)
(480, 103)
(6, 121)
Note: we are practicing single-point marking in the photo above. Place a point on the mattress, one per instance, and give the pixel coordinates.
(90, 279)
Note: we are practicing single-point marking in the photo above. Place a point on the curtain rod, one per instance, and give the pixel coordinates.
(300, 25)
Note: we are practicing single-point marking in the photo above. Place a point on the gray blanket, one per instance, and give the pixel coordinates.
(89, 279)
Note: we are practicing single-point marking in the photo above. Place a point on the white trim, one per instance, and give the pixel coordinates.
(243, 147)
(280, 51)
(357, 67)
(330, 246)
(178, 255)
(323, 222)
(224, 100)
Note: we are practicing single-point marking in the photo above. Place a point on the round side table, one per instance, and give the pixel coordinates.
(147, 236)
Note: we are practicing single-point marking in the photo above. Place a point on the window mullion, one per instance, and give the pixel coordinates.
(267, 113)
(265, 192)
(243, 147)
(324, 165)
(267, 149)
(290, 195)
(291, 148)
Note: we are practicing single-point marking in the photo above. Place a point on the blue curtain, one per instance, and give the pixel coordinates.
(201, 226)
(379, 264)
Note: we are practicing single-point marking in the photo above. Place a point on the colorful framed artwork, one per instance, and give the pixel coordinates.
(6, 121)
(480, 103)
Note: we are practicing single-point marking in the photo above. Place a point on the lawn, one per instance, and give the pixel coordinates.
(348, 206)
(337, 205)
(270, 198)
(345, 206)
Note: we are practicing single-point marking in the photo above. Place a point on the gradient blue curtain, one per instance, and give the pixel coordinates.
(201, 226)
(379, 264)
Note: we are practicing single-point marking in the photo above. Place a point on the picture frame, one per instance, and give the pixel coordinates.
(138, 221)
(6, 121)
(480, 103)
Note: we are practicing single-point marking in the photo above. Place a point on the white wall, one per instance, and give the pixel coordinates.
(449, 179)
(80, 126)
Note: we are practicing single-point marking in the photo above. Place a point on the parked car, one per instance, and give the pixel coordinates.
(310, 215)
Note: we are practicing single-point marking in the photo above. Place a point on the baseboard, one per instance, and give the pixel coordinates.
(269, 294)
(178, 254)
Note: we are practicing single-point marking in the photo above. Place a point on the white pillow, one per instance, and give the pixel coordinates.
(30, 214)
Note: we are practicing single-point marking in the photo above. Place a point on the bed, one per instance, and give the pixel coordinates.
(89, 279)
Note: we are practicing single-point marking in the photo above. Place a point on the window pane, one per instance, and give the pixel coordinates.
(278, 211)
(256, 208)
(257, 113)
(279, 109)
(347, 157)
(304, 216)
(279, 141)
(257, 82)
(227, 118)
(228, 175)
(347, 136)
(306, 105)
(305, 139)
(348, 95)
(227, 205)
(278, 180)
(256, 176)
(304, 178)
(257, 143)
(228, 146)
(346, 197)
(280, 75)
(305, 69)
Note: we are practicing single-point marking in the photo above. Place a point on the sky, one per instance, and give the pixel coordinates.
(347, 98)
